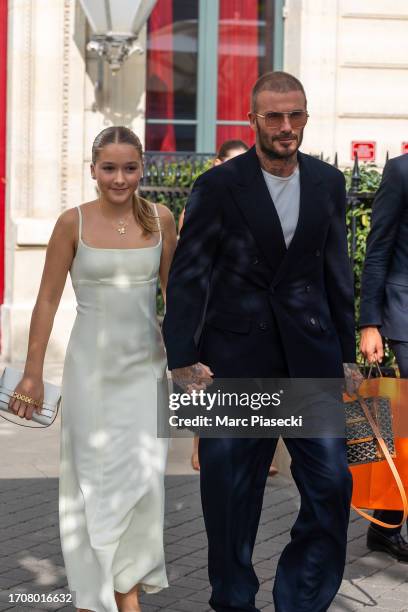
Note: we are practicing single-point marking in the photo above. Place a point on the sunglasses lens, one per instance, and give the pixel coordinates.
(273, 119)
(297, 119)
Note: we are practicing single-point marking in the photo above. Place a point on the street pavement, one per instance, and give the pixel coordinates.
(30, 553)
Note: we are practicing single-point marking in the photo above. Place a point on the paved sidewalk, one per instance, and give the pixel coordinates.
(31, 561)
(30, 554)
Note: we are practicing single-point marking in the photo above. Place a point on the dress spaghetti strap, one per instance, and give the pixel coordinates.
(158, 221)
(80, 224)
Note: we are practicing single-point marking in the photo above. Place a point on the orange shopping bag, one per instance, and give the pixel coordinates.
(374, 485)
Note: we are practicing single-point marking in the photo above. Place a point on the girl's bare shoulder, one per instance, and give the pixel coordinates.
(165, 214)
(68, 221)
(71, 215)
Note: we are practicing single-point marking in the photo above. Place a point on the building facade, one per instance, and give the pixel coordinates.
(188, 91)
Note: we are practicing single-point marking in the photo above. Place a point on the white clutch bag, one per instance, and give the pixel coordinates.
(52, 397)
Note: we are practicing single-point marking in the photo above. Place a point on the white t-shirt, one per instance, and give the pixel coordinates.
(285, 193)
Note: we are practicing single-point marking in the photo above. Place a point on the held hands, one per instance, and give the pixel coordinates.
(193, 378)
(31, 389)
(371, 344)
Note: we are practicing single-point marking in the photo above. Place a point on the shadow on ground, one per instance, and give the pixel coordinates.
(31, 560)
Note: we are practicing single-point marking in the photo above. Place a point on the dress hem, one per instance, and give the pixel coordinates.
(147, 588)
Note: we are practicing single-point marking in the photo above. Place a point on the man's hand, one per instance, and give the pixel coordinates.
(353, 378)
(371, 344)
(193, 378)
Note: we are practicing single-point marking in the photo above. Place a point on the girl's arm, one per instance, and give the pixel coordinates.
(59, 256)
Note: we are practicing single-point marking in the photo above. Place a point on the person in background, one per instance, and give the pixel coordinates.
(384, 308)
(228, 150)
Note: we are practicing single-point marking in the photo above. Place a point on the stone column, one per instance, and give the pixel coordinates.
(44, 150)
(318, 72)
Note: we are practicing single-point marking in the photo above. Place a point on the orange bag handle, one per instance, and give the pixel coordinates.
(372, 365)
(393, 469)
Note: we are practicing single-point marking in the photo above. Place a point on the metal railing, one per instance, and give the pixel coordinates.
(169, 176)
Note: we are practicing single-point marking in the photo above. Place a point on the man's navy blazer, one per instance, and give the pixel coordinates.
(384, 289)
(260, 293)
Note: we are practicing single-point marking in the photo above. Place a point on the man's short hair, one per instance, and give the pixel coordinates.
(281, 82)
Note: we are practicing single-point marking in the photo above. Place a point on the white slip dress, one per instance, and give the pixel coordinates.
(112, 463)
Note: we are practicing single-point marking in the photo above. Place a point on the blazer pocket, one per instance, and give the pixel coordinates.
(316, 323)
(229, 322)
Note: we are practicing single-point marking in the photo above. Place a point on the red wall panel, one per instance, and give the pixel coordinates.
(3, 109)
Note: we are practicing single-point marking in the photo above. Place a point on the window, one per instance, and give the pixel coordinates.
(203, 57)
(244, 53)
(172, 76)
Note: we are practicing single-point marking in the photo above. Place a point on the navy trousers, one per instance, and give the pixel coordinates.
(400, 350)
(310, 569)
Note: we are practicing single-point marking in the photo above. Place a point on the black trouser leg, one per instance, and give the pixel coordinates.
(311, 567)
(233, 476)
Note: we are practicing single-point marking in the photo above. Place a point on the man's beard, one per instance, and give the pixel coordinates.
(273, 154)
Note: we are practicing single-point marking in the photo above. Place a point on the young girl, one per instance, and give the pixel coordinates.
(112, 463)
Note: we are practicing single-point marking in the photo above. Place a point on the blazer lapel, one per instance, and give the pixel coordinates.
(254, 200)
(313, 205)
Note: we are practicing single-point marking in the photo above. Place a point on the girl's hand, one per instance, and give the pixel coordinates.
(30, 387)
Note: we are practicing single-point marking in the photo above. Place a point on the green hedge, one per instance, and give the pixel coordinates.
(181, 177)
(370, 178)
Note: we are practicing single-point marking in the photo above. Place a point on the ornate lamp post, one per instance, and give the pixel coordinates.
(116, 25)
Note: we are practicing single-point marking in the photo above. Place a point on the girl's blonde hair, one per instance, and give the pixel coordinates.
(143, 210)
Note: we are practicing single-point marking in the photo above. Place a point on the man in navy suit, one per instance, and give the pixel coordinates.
(384, 307)
(265, 234)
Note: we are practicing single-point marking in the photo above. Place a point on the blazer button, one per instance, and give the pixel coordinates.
(317, 253)
(263, 325)
(313, 320)
(308, 288)
(255, 261)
